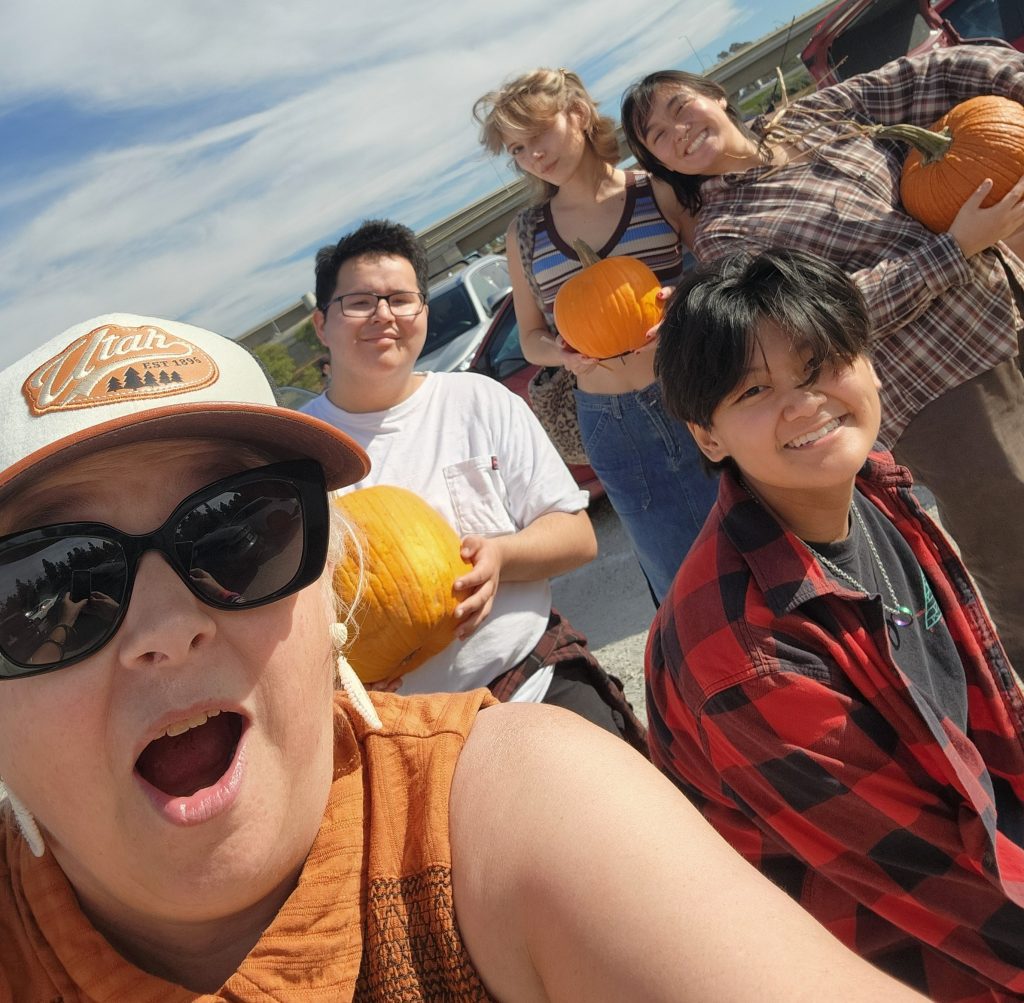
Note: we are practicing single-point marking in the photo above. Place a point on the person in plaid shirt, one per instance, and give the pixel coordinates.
(945, 308)
(823, 681)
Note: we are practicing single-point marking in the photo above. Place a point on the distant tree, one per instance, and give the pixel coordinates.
(308, 377)
(277, 362)
(113, 385)
(164, 378)
(175, 376)
(306, 335)
(149, 379)
(733, 47)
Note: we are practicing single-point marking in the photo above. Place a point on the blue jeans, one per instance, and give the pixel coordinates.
(650, 467)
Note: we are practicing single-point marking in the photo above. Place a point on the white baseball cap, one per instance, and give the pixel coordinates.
(120, 378)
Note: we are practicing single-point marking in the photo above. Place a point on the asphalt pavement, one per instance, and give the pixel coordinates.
(608, 600)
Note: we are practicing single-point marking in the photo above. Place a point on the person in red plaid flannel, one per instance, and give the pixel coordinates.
(823, 680)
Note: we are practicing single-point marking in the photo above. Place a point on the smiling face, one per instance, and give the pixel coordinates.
(691, 134)
(554, 152)
(798, 439)
(372, 358)
(180, 773)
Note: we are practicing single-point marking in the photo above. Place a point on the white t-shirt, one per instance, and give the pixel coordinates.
(476, 453)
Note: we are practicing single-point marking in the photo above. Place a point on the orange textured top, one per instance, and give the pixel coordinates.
(371, 919)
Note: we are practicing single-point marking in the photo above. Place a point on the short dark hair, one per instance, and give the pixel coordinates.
(709, 332)
(375, 238)
(637, 102)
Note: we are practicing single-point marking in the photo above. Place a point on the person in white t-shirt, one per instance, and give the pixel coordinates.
(476, 453)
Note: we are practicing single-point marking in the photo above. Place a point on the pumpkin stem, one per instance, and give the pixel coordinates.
(932, 146)
(585, 253)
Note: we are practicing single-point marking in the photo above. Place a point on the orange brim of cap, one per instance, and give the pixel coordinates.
(285, 433)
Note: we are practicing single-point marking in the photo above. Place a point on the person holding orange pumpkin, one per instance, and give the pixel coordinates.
(470, 448)
(945, 307)
(190, 810)
(551, 127)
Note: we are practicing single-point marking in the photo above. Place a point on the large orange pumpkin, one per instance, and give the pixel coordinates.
(608, 308)
(410, 562)
(980, 138)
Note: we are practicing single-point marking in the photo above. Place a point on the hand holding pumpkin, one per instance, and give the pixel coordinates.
(976, 228)
(480, 584)
(403, 576)
(574, 361)
(651, 337)
(606, 309)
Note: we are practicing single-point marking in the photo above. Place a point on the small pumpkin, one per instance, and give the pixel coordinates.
(980, 138)
(410, 562)
(607, 309)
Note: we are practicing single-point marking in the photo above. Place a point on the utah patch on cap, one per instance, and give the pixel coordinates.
(113, 362)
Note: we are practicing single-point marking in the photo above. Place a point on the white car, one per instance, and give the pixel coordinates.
(461, 306)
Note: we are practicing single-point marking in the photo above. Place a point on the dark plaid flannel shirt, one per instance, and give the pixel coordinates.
(941, 319)
(774, 703)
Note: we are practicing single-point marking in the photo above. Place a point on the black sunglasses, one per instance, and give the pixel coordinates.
(242, 542)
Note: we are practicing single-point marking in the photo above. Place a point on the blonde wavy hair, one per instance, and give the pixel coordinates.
(529, 103)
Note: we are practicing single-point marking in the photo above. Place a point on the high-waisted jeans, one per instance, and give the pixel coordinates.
(650, 467)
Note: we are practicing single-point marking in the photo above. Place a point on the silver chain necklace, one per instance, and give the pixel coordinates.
(899, 616)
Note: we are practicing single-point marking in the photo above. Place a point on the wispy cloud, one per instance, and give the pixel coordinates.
(290, 123)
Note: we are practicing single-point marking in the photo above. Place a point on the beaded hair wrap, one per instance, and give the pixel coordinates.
(25, 821)
(348, 682)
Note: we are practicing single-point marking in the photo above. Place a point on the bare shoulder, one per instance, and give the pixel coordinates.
(508, 742)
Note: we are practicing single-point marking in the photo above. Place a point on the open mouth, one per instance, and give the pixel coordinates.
(191, 754)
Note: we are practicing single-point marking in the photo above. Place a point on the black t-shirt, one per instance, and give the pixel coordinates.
(924, 649)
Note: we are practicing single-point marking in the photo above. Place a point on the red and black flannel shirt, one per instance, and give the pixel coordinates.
(940, 319)
(776, 706)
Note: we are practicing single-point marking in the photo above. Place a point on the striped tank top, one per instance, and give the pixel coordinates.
(642, 232)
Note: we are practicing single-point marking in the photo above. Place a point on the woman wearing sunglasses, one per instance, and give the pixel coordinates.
(190, 807)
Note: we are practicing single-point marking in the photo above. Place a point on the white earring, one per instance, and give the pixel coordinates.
(26, 823)
(339, 635)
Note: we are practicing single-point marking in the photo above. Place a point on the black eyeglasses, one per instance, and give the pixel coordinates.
(241, 542)
(401, 304)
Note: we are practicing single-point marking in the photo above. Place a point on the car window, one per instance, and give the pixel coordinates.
(986, 18)
(884, 31)
(490, 281)
(504, 353)
(451, 313)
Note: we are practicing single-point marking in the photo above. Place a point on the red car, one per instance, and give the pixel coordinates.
(861, 35)
(500, 356)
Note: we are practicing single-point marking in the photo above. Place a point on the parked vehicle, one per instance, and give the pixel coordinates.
(461, 307)
(861, 35)
(500, 356)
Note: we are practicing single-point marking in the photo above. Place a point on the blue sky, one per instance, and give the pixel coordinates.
(186, 160)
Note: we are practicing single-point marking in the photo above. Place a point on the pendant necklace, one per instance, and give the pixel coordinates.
(899, 615)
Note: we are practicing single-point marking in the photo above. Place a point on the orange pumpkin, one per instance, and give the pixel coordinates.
(980, 138)
(410, 562)
(608, 308)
